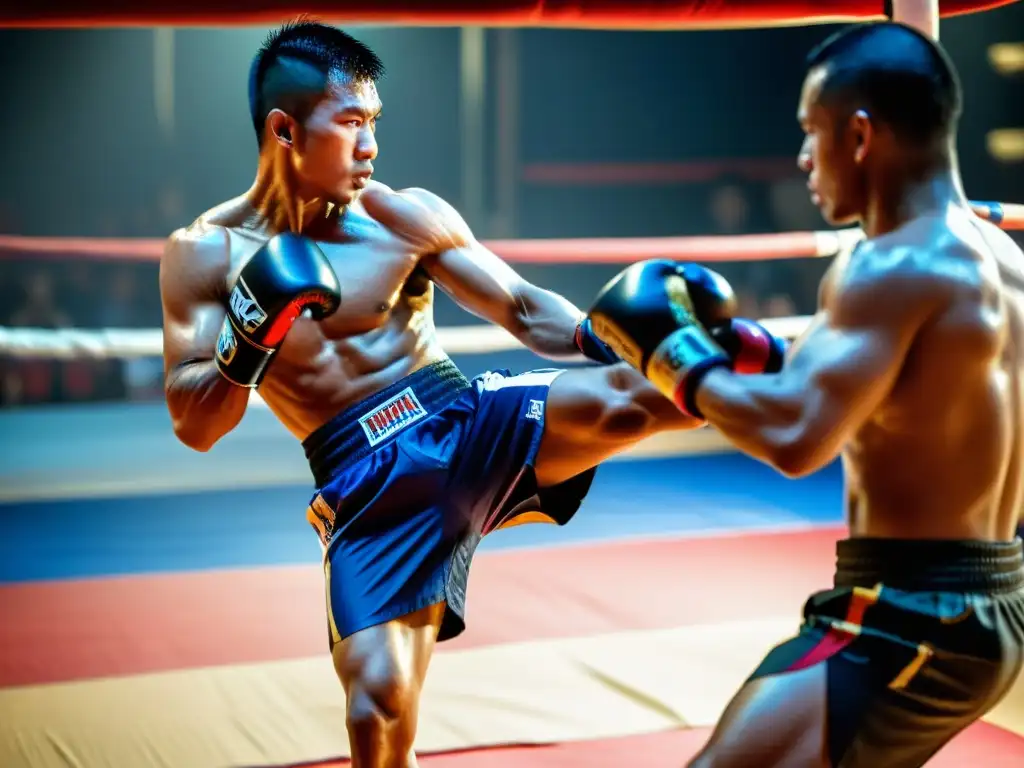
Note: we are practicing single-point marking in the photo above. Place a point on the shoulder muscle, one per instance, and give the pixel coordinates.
(896, 287)
(201, 245)
(194, 266)
(418, 216)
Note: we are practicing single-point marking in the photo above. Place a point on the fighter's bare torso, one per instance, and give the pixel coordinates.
(383, 330)
(943, 456)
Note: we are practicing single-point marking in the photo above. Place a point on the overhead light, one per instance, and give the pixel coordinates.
(1007, 58)
(1006, 144)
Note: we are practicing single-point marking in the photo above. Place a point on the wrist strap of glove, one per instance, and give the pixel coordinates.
(591, 345)
(686, 396)
(678, 365)
(240, 360)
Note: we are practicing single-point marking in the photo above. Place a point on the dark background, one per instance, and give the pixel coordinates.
(586, 134)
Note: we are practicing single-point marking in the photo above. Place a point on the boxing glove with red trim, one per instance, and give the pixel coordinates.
(284, 278)
(749, 345)
(655, 315)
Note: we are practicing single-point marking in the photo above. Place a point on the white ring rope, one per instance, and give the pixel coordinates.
(127, 344)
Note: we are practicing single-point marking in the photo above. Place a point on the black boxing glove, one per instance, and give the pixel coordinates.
(285, 277)
(655, 315)
(591, 346)
(749, 345)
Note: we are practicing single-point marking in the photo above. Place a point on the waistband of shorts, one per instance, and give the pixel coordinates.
(374, 421)
(922, 565)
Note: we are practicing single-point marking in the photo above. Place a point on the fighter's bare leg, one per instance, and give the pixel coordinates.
(382, 669)
(593, 413)
(773, 722)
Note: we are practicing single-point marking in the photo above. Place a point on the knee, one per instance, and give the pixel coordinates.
(380, 695)
(380, 692)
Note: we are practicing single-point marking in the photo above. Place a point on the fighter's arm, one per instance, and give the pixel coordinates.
(204, 405)
(922, 15)
(838, 373)
(482, 283)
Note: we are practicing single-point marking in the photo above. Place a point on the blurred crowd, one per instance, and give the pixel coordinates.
(56, 293)
(64, 293)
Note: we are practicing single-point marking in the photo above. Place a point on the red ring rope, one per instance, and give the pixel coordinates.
(562, 251)
(604, 14)
(784, 245)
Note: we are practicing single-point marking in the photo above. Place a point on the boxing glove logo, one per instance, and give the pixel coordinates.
(679, 354)
(621, 344)
(227, 344)
(679, 300)
(249, 314)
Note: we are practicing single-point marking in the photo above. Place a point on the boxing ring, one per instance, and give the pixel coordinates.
(160, 602)
(163, 607)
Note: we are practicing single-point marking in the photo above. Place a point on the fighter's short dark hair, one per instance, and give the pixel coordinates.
(325, 51)
(898, 75)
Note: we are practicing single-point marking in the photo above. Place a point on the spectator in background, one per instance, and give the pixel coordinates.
(82, 302)
(118, 308)
(11, 383)
(139, 377)
(34, 381)
(38, 307)
(730, 210)
(792, 211)
(791, 207)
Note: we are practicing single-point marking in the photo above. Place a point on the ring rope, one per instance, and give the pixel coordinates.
(71, 343)
(607, 250)
(127, 344)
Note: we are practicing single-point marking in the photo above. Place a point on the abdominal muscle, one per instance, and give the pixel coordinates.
(314, 378)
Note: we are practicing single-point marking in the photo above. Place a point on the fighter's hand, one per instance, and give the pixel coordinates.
(287, 277)
(750, 346)
(655, 315)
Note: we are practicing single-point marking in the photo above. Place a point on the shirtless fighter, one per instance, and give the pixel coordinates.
(317, 287)
(913, 371)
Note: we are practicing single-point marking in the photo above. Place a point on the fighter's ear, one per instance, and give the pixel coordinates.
(863, 132)
(280, 127)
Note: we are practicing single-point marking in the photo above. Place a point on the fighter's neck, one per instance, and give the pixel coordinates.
(282, 207)
(913, 195)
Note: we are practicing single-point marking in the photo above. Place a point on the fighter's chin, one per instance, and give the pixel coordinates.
(840, 218)
(343, 197)
(833, 214)
(351, 191)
